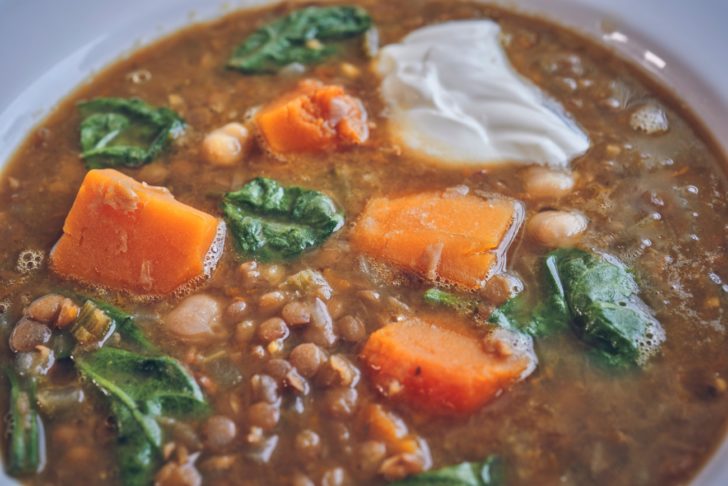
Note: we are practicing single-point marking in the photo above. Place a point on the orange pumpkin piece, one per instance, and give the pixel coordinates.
(449, 237)
(126, 235)
(444, 368)
(313, 117)
(390, 429)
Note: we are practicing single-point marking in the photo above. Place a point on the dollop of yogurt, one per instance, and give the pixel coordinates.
(454, 97)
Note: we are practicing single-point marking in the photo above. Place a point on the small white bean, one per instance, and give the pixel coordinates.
(226, 146)
(236, 130)
(557, 228)
(543, 183)
(196, 318)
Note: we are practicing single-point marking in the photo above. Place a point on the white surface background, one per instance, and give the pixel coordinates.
(49, 46)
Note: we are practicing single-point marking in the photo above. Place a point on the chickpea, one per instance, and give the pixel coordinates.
(226, 146)
(543, 183)
(557, 228)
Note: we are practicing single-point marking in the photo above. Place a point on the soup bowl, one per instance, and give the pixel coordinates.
(47, 48)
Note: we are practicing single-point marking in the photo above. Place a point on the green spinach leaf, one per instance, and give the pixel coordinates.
(125, 132)
(458, 303)
(550, 314)
(597, 296)
(138, 457)
(607, 312)
(140, 390)
(287, 39)
(271, 222)
(486, 473)
(25, 448)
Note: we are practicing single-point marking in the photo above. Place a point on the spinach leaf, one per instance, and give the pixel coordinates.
(597, 296)
(606, 311)
(550, 314)
(271, 222)
(125, 132)
(458, 303)
(141, 389)
(514, 315)
(148, 385)
(25, 449)
(486, 473)
(285, 40)
(138, 458)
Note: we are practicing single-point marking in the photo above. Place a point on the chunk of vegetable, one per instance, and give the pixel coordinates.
(312, 117)
(390, 429)
(550, 313)
(451, 237)
(272, 222)
(443, 368)
(126, 326)
(138, 457)
(292, 38)
(92, 326)
(598, 297)
(607, 312)
(453, 301)
(486, 473)
(129, 236)
(125, 132)
(25, 447)
(141, 389)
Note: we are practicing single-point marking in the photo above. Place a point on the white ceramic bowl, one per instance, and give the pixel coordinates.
(47, 47)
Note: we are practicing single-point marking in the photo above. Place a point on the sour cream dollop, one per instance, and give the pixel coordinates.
(454, 97)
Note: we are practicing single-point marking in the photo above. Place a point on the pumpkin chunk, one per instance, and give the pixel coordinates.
(313, 117)
(445, 368)
(125, 235)
(448, 237)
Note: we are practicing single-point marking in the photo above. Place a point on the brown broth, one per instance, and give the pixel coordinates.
(657, 203)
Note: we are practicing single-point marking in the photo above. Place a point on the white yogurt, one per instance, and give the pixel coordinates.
(454, 97)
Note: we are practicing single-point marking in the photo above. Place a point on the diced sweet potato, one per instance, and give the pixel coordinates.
(443, 368)
(313, 117)
(125, 235)
(448, 236)
(390, 429)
